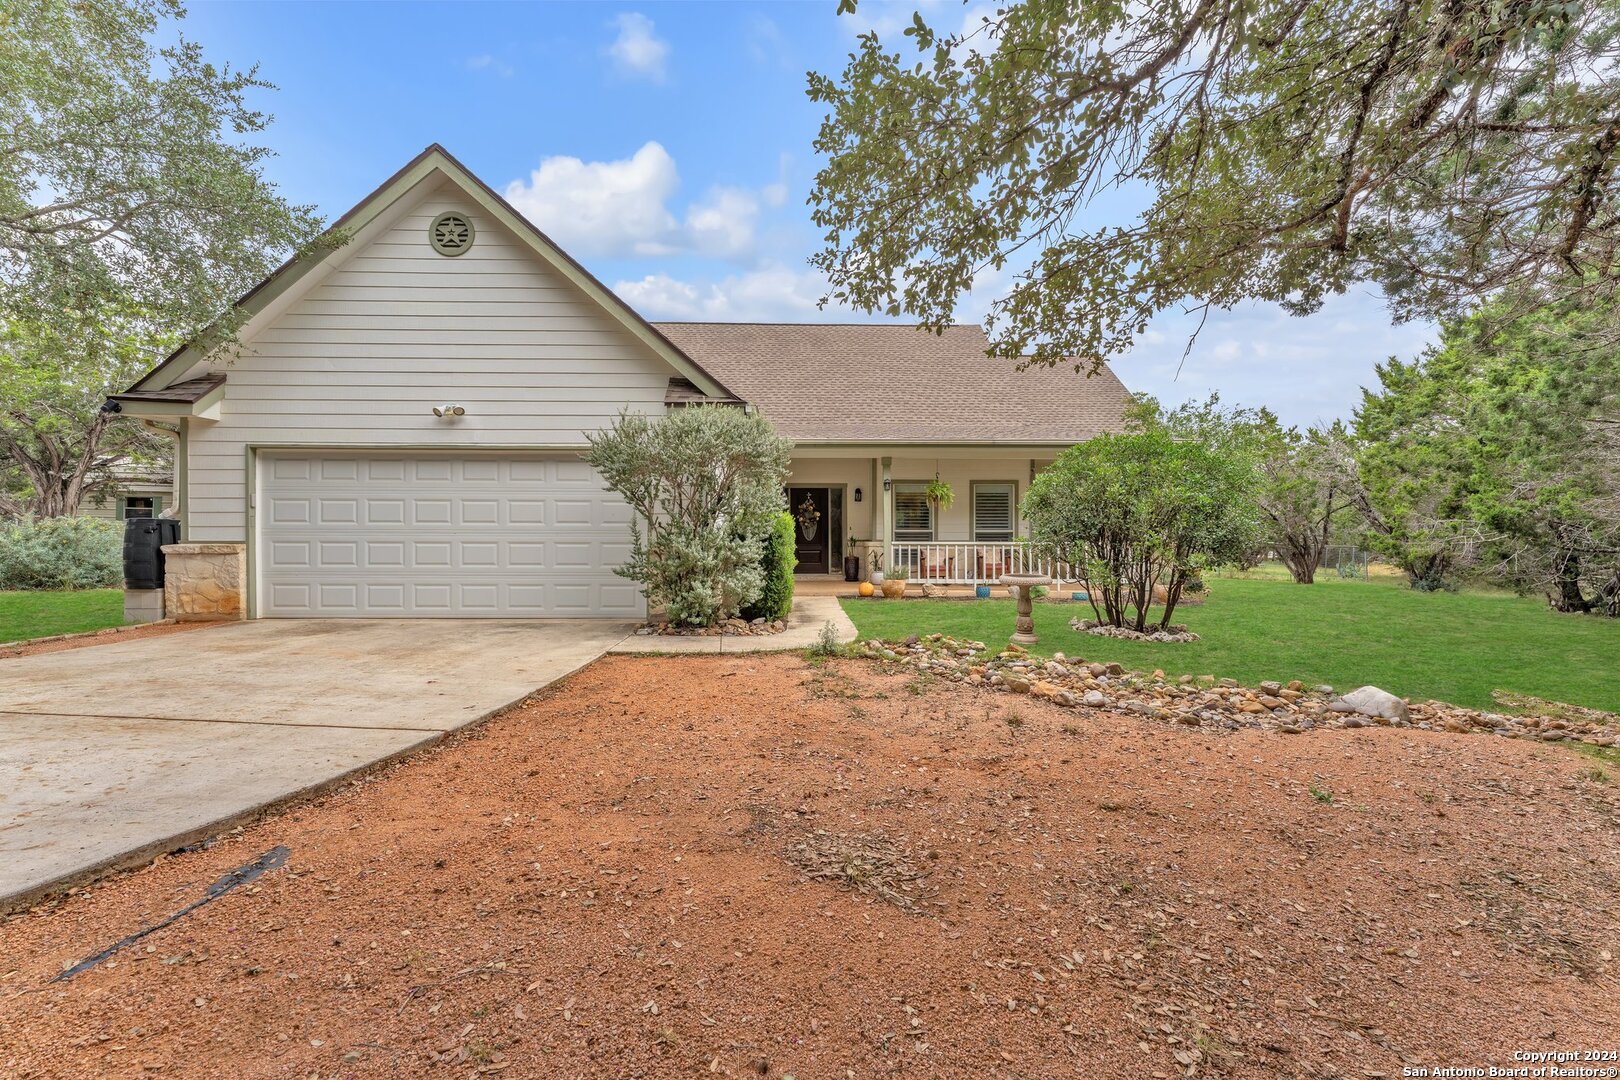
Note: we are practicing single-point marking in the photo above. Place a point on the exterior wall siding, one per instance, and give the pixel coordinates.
(362, 357)
(956, 524)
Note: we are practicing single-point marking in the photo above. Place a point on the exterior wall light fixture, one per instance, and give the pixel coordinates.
(448, 412)
(857, 494)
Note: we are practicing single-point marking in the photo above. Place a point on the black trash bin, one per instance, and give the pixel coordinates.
(143, 550)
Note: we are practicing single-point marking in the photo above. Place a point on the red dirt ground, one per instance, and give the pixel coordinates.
(599, 884)
(105, 637)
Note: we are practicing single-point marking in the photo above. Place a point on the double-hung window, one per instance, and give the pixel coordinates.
(138, 506)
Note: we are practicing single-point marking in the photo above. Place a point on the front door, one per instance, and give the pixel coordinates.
(812, 529)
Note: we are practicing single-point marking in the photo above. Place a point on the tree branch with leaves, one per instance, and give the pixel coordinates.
(1286, 149)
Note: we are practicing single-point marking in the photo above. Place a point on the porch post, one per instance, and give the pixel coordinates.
(886, 536)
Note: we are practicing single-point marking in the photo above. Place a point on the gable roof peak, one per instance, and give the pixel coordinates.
(435, 158)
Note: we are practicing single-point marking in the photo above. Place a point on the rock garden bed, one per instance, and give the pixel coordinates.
(729, 628)
(1172, 635)
(1222, 704)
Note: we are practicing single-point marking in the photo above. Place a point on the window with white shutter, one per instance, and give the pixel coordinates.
(913, 516)
(994, 506)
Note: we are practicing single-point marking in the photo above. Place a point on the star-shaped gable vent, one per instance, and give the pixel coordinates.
(451, 233)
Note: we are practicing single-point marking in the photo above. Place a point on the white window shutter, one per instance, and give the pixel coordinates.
(992, 512)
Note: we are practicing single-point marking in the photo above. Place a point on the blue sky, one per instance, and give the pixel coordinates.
(667, 147)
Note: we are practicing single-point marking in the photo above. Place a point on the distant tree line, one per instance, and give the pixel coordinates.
(1493, 457)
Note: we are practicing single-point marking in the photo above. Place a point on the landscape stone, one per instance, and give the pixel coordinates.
(1371, 701)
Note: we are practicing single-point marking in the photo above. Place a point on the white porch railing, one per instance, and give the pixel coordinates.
(976, 564)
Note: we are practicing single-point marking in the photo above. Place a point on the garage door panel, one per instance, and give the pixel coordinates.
(430, 511)
(480, 511)
(385, 554)
(288, 511)
(440, 536)
(340, 469)
(386, 600)
(429, 470)
(338, 511)
(339, 554)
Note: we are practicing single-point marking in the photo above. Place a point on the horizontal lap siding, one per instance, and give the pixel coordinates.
(362, 357)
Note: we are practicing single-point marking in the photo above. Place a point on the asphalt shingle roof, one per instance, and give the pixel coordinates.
(882, 383)
(182, 392)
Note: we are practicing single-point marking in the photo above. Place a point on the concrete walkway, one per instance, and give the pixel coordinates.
(804, 622)
(114, 753)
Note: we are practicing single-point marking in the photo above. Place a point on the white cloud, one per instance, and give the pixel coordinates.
(765, 42)
(724, 224)
(618, 208)
(487, 62)
(770, 293)
(775, 194)
(603, 207)
(638, 52)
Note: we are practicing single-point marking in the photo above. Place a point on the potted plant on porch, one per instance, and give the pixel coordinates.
(875, 558)
(852, 561)
(894, 586)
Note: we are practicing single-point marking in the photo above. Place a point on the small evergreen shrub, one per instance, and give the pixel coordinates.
(778, 562)
(61, 553)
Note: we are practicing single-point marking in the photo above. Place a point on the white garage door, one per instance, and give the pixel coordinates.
(470, 536)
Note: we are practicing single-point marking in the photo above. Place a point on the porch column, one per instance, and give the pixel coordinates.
(886, 533)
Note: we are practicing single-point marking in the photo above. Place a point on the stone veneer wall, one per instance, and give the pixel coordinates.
(205, 582)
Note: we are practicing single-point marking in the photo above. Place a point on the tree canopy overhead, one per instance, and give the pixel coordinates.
(126, 174)
(133, 212)
(1442, 149)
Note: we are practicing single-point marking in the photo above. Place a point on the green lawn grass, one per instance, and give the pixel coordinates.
(26, 615)
(1454, 647)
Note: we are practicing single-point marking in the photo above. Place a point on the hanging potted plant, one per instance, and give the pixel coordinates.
(939, 495)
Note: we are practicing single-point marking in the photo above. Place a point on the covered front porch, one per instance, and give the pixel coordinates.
(873, 503)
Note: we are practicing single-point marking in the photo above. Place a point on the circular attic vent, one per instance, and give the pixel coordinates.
(451, 233)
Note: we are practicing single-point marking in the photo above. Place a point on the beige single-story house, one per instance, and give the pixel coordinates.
(132, 491)
(400, 431)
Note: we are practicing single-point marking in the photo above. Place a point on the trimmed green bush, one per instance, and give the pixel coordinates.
(61, 553)
(705, 484)
(777, 562)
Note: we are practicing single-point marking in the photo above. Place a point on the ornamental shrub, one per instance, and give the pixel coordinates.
(61, 553)
(1135, 511)
(706, 485)
(780, 558)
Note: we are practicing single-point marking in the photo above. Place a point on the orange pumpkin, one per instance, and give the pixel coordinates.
(865, 588)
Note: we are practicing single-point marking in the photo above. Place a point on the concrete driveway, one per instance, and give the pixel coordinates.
(114, 753)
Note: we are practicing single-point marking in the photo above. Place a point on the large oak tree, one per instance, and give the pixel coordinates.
(133, 210)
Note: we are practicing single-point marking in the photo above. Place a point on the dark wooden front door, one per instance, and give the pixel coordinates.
(812, 529)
